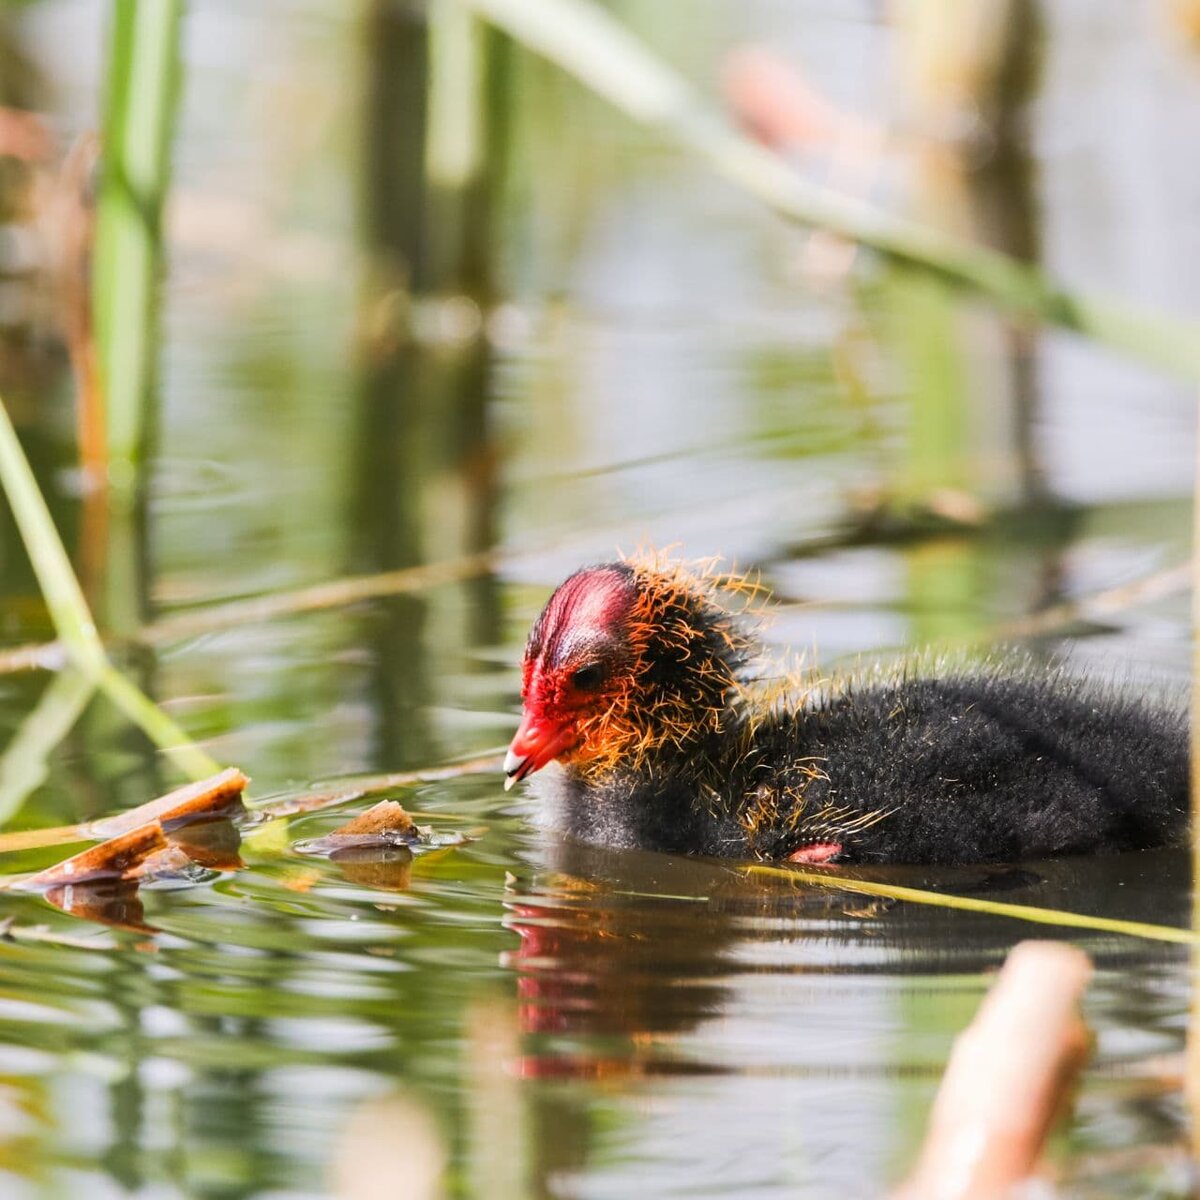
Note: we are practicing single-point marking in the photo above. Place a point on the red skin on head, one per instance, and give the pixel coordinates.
(585, 607)
(578, 621)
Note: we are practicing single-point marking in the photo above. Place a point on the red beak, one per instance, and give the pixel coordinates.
(536, 742)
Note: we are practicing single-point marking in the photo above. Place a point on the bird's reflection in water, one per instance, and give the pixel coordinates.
(635, 968)
(621, 951)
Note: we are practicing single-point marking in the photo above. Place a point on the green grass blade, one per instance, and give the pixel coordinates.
(156, 725)
(589, 44)
(995, 908)
(60, 589)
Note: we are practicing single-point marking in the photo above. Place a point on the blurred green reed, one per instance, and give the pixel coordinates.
(585, 41)
(141, 89)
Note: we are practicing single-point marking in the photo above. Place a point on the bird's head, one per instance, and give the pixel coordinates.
(626, 660)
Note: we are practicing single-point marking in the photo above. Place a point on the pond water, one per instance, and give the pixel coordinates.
(607, 348)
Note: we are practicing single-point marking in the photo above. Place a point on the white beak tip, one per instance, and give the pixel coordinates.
(508, 782)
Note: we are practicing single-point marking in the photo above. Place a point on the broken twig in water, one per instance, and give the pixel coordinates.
(120, 857)
(215, 796)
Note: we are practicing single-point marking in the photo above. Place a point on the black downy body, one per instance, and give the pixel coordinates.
(992, 765)
(984, 768)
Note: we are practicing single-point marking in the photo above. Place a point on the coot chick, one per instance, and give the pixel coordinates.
(636, 679)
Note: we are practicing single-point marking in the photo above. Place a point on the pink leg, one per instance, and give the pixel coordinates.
(816, 852)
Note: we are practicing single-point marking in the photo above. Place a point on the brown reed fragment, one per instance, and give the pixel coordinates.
(383, 819)
(217, 796)
(220, 794)
(372, 849)
(118, 858)
(1009, 1078)
(73, 235)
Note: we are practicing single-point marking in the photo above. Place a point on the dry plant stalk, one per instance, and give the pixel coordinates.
(207, 798)
(1009, 1077)
(121, 857)
(138, 837)
(316, 801)
(219, 795)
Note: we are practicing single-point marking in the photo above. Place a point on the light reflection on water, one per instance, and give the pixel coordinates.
(577, 1022)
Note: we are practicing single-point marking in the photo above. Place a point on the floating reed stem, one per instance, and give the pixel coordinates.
(837, 881)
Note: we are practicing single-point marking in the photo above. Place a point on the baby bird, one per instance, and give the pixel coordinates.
(636, 679)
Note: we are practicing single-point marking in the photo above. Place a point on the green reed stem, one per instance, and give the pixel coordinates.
(142, 86)
(64, 598)
(70, 613)
(603, 55)
(996, 908)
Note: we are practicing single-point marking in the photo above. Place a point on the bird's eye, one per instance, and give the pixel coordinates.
(587, 677)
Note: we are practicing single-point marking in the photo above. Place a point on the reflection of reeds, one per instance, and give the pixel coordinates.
(74, 230)
(355, 589)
